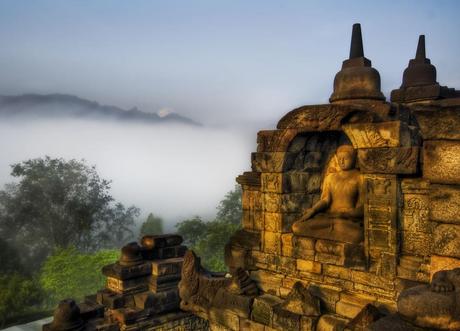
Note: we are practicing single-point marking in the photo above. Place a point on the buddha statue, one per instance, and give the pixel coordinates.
(338, 215)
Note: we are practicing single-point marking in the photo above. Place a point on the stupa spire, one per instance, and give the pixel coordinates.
(421, 53)
(356, 47)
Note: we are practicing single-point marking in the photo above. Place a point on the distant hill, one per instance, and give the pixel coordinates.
(35, 106)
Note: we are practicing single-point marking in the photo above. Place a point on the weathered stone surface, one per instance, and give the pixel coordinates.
(441, 161)
(267, 281)
(381, 211)
(438, 263)
(287, 203)
(272, 162)
(262, 309)
(433, 306)
(248, 325)
(163, 240)
(275, 140)
(285, 320)
(304, 248)
(392, 322)
(375, 135)
(291, 182)
(252, 200)
(328, 295)
(323, 117)
(237, 304)
(439, 123)
(280, 222)
(287, 248)
(308, 266)
(446, 240)
(167, 266)
(236, 257)
(225, 318)
(397, 160)
(445, 204)
(368, 315)
(271, 242)
(115, 270)
(246, 239)
(338, 253)
(336, 271)
(330, 322)
(414, 268)
(300, 301)
(129, 285)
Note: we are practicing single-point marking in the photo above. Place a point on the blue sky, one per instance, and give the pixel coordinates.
(219, 62)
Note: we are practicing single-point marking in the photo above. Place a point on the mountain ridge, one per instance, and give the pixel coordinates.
(59, 105)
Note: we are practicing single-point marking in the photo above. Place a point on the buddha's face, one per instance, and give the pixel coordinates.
(346, 159)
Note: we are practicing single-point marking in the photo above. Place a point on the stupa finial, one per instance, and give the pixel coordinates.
(356, 47)
(421, 53)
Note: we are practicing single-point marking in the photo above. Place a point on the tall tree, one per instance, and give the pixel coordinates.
(56, 204)
(153, 225)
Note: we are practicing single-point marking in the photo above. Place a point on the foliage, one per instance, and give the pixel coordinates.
(18, 294)
(57, 204)
(229, 209)
(9, 257)
(71, 274)
(153, 225)
(208, 239)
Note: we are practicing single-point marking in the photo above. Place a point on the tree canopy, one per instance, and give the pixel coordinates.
(56, 204)
(153, 225)
(208, 239)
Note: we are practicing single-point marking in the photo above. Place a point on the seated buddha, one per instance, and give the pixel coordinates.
(338, 215)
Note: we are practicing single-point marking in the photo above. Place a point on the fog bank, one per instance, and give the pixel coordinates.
(174, 171)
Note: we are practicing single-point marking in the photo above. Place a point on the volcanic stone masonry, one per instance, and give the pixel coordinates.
(351, 221)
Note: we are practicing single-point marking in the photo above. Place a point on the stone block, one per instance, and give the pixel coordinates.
(439, 124)
(287, 203)
(370, 279)
(328, 295)
(235, 303)
(291, 182)
(248, 325)
(251, 200)
(167, 267)
(271, 242)
(309, 266)
(413, 268)
(236, 257)
(375, 135)
(280, 222)
(224, 317)
(331, 322)
(438, 263)
(348, 309)
(342, 254)
(160, 241)
(272, 161)
(336, 271)
(441, 161)
(115, 270)
(129, 285)
(368, 315)
(164, 252)
(446, 240)
(396, 160)
(287, 249)
(415, 186)
(275, 140)
(304, 248)
(308, 323)
(262, 309)
(415, 216)
(445, 204)
(285, 320)
(267, 281)
(109, 299)
(301, 302)
(417, 243)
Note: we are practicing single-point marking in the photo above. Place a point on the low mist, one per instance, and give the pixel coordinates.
(172, 170)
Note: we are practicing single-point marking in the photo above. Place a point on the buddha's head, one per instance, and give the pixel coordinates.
(346, 157)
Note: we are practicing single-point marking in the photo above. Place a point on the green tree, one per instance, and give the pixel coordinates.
(229, 209)
(71, 274)
(208, 239)
(57, 203)
(153, 225)
(18, 294)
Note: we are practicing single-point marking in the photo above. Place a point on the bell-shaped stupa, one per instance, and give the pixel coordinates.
(357, 79)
